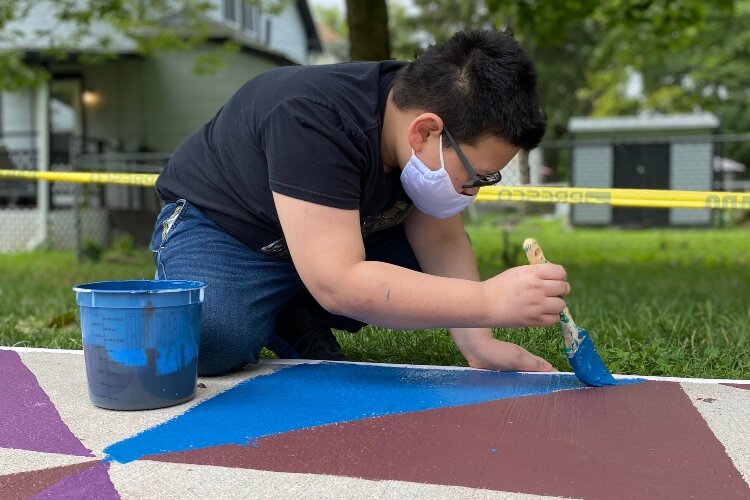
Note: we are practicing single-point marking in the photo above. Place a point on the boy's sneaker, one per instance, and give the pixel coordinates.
(306, 336)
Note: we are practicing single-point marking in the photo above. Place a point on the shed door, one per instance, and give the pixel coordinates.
(641, 166)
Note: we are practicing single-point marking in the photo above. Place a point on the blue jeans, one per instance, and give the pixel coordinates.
(245, 289)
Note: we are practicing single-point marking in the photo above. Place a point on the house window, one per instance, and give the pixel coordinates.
(230, 10)
(251, 18)
(248, 16)
(243, 15)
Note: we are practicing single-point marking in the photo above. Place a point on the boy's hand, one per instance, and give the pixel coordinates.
(493, 354)
(526, 295)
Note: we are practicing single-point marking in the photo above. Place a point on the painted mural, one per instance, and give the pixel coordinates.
(360, 430)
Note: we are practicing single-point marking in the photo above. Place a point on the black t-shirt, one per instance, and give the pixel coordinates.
(308, 132)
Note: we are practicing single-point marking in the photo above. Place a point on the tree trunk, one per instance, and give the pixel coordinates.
(368, 30)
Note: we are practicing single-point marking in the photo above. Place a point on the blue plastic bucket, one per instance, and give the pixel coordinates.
(140, 341)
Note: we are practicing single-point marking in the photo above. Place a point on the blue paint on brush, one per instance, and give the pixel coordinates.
(310, 395)
(588, 365)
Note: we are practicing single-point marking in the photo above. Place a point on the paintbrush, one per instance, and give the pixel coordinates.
(582, 356)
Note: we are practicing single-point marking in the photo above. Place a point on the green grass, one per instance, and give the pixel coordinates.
(656, 302)
(37, 304)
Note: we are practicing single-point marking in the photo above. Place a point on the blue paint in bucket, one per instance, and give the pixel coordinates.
(140, 341)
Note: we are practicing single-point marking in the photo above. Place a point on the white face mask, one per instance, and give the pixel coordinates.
(432, 190)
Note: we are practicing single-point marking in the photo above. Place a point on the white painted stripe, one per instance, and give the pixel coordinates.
(422, 367)
(41, 349)
(541, 374)
(726, 411)
(15, 460)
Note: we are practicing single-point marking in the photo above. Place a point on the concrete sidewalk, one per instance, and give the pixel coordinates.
(351, 430)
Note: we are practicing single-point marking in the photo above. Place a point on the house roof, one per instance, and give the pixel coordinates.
(313, 40)
(219, 32)
(645, 122)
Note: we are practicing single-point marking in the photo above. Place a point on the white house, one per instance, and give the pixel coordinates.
(133, 106)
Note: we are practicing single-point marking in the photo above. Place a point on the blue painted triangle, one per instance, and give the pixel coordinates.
(309, 395)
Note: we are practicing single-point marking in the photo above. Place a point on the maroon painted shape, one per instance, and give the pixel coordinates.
(633, 441)
(28, 419)
(91, 483)
(739, 386)
(22, 485)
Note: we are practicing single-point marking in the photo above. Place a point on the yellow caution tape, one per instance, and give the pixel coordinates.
(121, 178)
(653, 198)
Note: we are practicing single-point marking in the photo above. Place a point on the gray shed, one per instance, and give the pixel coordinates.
(642, 152)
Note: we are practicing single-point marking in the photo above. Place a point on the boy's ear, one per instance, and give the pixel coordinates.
(422, 128)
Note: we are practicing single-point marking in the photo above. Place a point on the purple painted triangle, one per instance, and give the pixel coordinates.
(93, 482)
(28, 419)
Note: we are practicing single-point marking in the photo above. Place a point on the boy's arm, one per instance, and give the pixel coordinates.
(443, 248)
(327, 249)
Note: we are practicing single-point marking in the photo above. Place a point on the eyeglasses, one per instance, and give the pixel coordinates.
(476, 180)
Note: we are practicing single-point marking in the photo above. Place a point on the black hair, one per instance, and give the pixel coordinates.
(480, 83)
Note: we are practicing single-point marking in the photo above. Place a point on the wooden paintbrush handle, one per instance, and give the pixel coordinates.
(569, 329)
(534, 252)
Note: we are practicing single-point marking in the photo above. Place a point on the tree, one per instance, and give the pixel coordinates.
(699, 62)
(368, 30)
(711, 73)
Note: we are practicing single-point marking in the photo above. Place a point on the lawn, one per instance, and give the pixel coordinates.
(656, 302)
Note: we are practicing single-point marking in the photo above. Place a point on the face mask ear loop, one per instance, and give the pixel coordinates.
(442, 161)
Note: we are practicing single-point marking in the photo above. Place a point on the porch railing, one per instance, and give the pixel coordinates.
(76, 213)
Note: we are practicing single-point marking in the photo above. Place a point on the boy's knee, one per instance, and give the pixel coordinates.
(222, 354)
